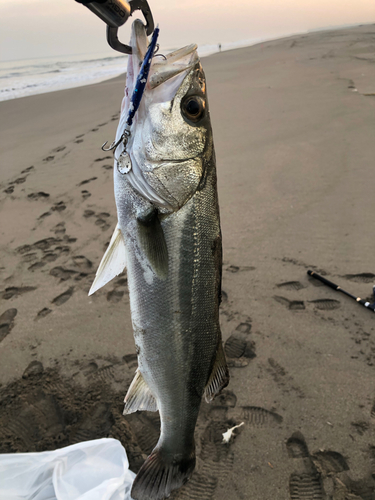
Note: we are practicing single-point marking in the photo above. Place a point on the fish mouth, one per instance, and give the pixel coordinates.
(163, 67)
(175, 62)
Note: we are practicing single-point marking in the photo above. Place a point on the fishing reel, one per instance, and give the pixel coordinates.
(115, 13)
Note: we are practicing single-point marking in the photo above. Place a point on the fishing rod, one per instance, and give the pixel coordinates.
(338, 288)
(115, 13)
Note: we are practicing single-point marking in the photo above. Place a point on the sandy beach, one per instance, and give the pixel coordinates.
(293, 123)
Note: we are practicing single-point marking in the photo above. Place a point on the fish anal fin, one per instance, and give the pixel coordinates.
(152, 242)
(113, 262)
(219, 377)
(139, 396)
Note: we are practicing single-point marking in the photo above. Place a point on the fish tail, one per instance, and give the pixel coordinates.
(162, 473)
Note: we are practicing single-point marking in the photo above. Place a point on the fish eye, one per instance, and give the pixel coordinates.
(193, 108)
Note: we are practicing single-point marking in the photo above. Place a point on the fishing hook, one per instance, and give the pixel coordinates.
(155, 54)
(114, 144)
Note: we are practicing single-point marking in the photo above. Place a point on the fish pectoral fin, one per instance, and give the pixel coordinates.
(139, 396)
(219, 377)
(152, 242)
(113, 262)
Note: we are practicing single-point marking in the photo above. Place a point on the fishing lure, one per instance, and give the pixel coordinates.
(123, 161)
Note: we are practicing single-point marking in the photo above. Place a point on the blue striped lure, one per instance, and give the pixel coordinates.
(123, 161)
(142, 78)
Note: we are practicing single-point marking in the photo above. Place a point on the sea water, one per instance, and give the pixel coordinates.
(36, 76)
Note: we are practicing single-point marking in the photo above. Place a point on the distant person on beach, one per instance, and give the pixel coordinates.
(219, 47)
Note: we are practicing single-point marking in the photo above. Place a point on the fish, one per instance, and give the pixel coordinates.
(169, 239)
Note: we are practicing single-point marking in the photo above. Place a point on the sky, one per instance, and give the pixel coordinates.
(43, 28)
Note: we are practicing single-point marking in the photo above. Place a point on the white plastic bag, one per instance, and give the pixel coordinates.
(92, 470)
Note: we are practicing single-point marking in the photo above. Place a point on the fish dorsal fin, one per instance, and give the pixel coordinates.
(152, 242)
(113, 262)
(139, 396)
(219, 377)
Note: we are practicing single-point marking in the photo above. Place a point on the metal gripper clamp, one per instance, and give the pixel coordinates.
(115, 13)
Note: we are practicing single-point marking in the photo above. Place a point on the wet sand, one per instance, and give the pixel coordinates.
(293, 123)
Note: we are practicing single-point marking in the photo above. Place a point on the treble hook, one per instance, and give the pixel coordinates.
(113, 145)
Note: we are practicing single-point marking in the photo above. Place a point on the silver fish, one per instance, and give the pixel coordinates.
(169, 237)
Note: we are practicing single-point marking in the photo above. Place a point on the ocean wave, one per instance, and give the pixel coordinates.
(24, 78)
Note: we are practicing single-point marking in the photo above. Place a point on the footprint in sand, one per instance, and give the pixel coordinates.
(291, 285)
(325, 470)
(100, 218)
(59, 229)
(132, 361)
(86, 181)
(34, 368)
(9, 190)
(85, 194)
(44, 215)
(24, 249)
(49, 158)
(63, 249)
(60, 148)
(64, 297)
(38, 196)
(29, 257)
(236, 269)
(326, 304)
(293, 305)
(82, 262)
(50, 257)
(104, 158)
(14, 291)
(20, 180)
(46, 246)
(305, 482)
(101, 221)
(36, 266)
(69, 239)
(119, 289)
(115, 296)
(46, 243)
(61, 273)
(7, 322)
(330, 462)
(43, 313)
(258, 417)
(28, 169)
(58, 207)
(107, 167)
(361, 278)
(239, 348)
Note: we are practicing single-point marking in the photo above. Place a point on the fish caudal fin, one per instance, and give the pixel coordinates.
(219, 377)
(161, 474)
(139, 396)
(113, 262)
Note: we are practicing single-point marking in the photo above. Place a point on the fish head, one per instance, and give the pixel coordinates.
(171, 137)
